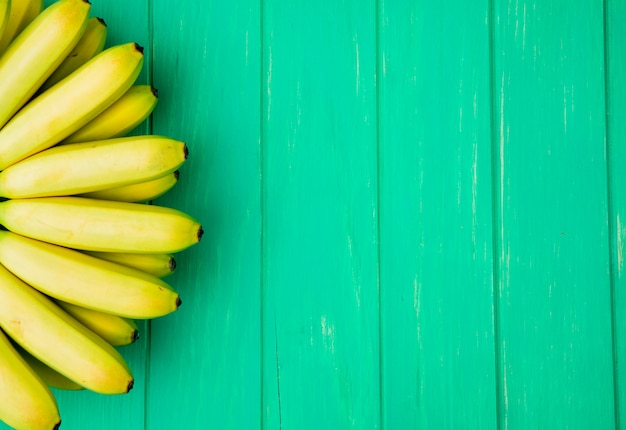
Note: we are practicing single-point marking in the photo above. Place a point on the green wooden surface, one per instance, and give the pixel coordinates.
(550, 181)
(414, 212)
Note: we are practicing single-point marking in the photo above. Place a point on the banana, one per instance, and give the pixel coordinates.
(121, 117)
(23, 12)
(100, 225)
(25, 400)
(116, 330)
(138, 193)
(71, 276)
(160, 265)
(37, 51)
(5, 11)
(89, 45)
(91, 166)
(50, 334)
(48, 375)
(33, 9)
(64, 108)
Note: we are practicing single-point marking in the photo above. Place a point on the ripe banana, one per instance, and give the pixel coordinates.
(50, 334)
(91, 166)
(120, 118)
(37, 51)
(64, 108)
(48, 375)
(160, 265)
(5, 11)
(89, 45)
(138, 193)
(83, 280)
(99, 225)
(25, 400)
(116, 330)
(23, 12)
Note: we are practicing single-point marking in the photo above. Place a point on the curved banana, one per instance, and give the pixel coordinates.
(5, 11)
(73, 102)
(91, 166)
(50, 334)
(25, 400)
(89, 45)
(23, 12)
(121, 117)
(160, 265)
(100, 225)
(116, 330)
(33, 9)
(48, 375)
(74, 277)
(138, 193)
(38, 50)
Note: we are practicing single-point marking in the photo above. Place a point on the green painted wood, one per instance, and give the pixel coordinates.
(615, 15)
(438, 367)
(414, 216)
(554, 308)
(205, 362)
(320, 241)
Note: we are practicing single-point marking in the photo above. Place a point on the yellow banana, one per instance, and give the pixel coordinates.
(23, 12)
(48, 375)
(100, 225)
(74, 277)
(160, 265)
(120, 118)
(37, 51)
(25, 400)
(5, 11)
(33, 9)
(89, 45)
(64, 108)
(116, 330)
(50, 334)
(91, 166)
(138, 193)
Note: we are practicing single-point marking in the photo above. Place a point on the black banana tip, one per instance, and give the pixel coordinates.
(186, 151)
(139, 48)
(172, 264)
(200, 233)
(154, 91)
(57, 425)
(101, 21)
(134, 336)
(176, 174)
(178, 302)
(130, 386)
(88, 2)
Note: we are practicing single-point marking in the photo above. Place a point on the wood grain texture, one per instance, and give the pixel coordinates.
(414, 216)
(554, 309)
(615, 59)
(320, 249)
(438, 362)
(205, 359)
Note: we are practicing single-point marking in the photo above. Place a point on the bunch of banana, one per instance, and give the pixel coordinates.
(83, 252)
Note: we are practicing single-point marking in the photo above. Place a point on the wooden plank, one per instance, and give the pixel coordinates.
(438, 367)
(615, 34)
(205, 359)
(550, 174)
(320, 249)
